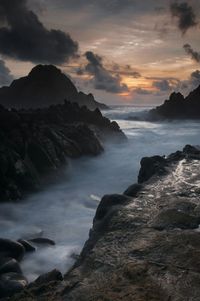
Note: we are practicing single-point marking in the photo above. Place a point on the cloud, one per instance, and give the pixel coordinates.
(102, 78)
(141, 91)
(162, 85)
(185, 15)
(195, 78)
(5, 76)
(24, 37)
(194, 54)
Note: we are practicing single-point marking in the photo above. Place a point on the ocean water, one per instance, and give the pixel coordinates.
(64, 211)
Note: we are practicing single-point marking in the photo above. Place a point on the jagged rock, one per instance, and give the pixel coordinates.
(43, 86)
(178, 107)
(35, 143)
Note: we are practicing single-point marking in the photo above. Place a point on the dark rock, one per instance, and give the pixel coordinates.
(35, 143)
(45, 85)
(133, 190)
(10, 266)
(107, 202)
(178, 107)
(54, 275)
(9, 248)
(151, 166)
(43, 240)
(27, 245)
(172, 218)
(11, 283)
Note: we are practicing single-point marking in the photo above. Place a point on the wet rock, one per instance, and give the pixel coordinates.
(11, 283)
(27, 245)
(43, 240)
(151, 166)
(10, 266)
(107, 202)
(173, 218)
(54, 275)
(9, 248)
(133, 190)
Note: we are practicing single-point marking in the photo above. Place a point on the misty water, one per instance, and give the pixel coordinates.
(64, 210)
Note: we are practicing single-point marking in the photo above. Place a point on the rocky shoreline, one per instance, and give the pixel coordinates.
(144, 244)
(35, 143)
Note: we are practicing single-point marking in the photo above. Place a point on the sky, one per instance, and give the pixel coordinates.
(124, 52)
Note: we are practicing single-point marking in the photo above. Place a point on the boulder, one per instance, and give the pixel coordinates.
(11, 283)
(27, 245)
(10, 266)
(10, 248)
(151, 166)
(133, 190)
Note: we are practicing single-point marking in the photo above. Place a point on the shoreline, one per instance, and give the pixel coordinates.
(138, 241)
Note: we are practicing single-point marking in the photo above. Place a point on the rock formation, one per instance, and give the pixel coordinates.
(178, 107)
(144, 246)
(45, 85)
(36, 142)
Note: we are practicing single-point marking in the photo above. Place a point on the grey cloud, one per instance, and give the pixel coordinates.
(102, 78)
(162, 85)
(5, 75)
(190, 51)
(185, 15)
(141, 91)
(195, 78)
(24, 37)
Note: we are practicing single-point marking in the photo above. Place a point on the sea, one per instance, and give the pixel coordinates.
(64, 210)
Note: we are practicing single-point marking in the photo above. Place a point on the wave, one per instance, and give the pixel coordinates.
(128, 114)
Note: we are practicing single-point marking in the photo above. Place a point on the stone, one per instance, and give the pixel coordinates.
(11, 283)
(10, 248)
(133, 190)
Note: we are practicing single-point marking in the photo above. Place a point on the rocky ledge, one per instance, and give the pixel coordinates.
(144, 244)
(36, 142)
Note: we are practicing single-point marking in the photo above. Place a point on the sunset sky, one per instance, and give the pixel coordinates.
(130, 51)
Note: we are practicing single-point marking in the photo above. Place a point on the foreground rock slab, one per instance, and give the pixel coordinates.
(142, 248)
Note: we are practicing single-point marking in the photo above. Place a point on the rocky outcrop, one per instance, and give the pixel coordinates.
(178, 107)
(45, 85)
(141, 247)
(35, 143)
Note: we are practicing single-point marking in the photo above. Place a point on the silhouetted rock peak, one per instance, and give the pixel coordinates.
(178, 107)
(43, 86)
(176, 97)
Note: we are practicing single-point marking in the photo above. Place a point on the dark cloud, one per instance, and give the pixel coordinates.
(124, 71)
(185, 15)
(162, 85)
(190, 51)
(24, 37)
(102, 78)
(5, 75)
(141, 91)
(195, 78)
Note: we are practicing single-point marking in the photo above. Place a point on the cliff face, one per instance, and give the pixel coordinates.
(37, 142)
(178, 107)
(144, 244)
(45, 85)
